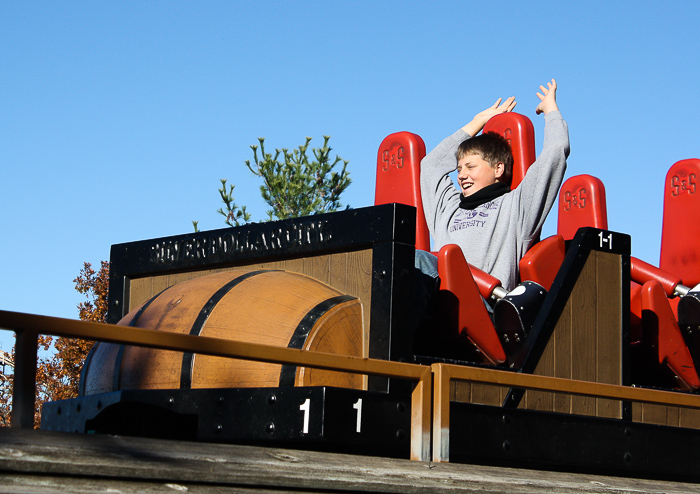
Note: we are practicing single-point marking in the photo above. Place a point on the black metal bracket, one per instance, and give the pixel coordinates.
(334, 419)
(536, 439)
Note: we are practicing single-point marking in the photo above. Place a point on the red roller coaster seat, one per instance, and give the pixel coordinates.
(398, 178)
(680, 233)
(672, 350)
(542, 261)
(581, 203)
(464, 282)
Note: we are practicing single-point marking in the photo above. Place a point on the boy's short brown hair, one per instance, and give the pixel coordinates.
(493, 148)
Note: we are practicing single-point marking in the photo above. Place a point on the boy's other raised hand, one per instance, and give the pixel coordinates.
(480, 119)
(548, 98)
(496, 109)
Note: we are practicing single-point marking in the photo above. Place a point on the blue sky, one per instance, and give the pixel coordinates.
(117, 119)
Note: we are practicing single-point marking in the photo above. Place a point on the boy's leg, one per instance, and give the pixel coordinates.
(426, 282)
(427, 263)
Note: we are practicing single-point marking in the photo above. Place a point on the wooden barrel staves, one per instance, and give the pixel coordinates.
(269, 307)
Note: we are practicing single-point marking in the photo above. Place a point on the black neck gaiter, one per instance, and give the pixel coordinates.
(488, 193)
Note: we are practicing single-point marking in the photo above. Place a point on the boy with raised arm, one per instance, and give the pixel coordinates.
(493, 225)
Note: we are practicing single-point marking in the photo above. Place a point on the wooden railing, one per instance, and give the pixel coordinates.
(27, 328)
(424, 401)
(445, 373)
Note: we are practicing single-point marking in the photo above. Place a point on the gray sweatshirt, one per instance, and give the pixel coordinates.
(496, 235)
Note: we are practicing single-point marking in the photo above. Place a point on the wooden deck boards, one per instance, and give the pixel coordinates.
(41, 462)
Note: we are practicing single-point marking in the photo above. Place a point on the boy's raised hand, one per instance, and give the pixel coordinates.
(548, 98)
(480, 119)
(496, 109)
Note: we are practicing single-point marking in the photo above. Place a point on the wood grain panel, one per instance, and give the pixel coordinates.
(348, 272)
(689, 418)
(486, 394)
(562, 352)
(608, 329)
(665, 415)
(586, 343)
(583, 333)
(541, 400)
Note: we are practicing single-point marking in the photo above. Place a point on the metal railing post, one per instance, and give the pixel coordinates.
(441, 413)
(420, 417)
(24, 387)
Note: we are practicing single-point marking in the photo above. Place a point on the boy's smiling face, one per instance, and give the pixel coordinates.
(474, 173)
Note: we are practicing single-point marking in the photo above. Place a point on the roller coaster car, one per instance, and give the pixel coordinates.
(342, 283)
(657, 343)
(462, 286)
(656, 338)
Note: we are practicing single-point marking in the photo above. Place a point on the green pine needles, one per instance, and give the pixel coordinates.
(234, 214)
(296, 186)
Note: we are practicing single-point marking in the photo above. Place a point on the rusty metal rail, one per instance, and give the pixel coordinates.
(28, 326)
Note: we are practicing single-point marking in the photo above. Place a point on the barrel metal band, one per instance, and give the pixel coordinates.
(301, 333)
(116, 375)
(204, 313)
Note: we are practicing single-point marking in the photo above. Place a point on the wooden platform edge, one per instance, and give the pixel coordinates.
(40, 461)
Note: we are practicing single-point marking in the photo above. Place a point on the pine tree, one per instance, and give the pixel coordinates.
(292, 187)
(299, 187)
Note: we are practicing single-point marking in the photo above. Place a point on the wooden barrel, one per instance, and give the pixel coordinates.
(269, 307)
